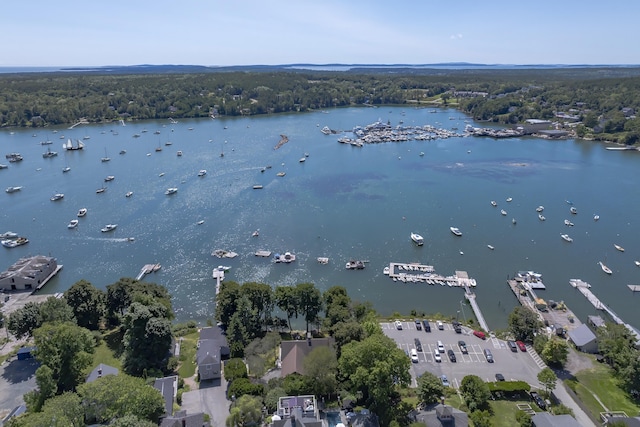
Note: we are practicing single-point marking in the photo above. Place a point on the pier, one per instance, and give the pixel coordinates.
(49, 277)
(420, 273)
(470, 296)
(148, 268)
(218, 274)
(634, 288)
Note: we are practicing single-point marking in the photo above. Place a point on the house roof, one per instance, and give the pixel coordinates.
(433, 417)
(292, 353)
(100, 371)
(168, 387)
(212, 341)
(545, 419)
(596, 321)
(581, 335)
(182, 419)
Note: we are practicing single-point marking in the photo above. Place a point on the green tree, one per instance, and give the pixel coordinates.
(47, 388)
(310, 302)
(245, 411)
(345, 332)
(475, 392)
(65, 348)
(548, 379)
(261, 298)
(295, 384)
(523, 419)
(234, 369)
(87, 303)
(481, 418)
(59, 411)
(555, 352)
(430, 388)
(523, 324)
(286, 300)
(115, 396)
(131, 421)
(272, 398)
(321, 367)
(24, 321)
(237, 335)
(147, 338)
(56, 310)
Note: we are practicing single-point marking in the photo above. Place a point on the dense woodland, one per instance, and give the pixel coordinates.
(603, 99)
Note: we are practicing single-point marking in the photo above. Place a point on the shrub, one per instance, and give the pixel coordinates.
(234, 369)
(241, 386)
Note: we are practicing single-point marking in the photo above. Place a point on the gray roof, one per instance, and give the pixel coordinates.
(167, 387)
(431, 416)
(100, 371)
(213, 342)
(596, 321)
(582, 335)
(545, 419)
(181, 419)
(629, 422)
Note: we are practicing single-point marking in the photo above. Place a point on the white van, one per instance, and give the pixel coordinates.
(440, 346)
(414, 355)
(436, 356)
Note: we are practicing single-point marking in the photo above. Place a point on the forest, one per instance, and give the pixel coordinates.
(601, 101)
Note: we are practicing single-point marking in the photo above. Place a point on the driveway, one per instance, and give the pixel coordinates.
(210, 398)
(16, 378)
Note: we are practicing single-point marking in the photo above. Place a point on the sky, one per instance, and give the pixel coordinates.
(44, 33)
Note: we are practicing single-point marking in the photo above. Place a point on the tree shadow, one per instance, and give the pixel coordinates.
(18, 371)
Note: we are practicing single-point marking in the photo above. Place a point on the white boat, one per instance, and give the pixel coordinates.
(200, 222)
(540, 208)
(604, 268)
(73, 223)
(105, 158)
(109, 227)
(325, 130)
(66, 169)
(354, 265)
(101, 190)
(385, 271)
(49, 154)
(417, 239)
(513, 221)
(10, 243)
(286, 258)
(128, 194)
(455, 231)
(503, 212)
(56, 197)
(179, 153)
(322, 260)
(3, 166)
(566, 238)
(618, 247)
(202, 172)
(172, 190)
(70, 147)
(541, 217)
(568, 223)
(637, 263)
(302, 159)
(109, 178)
(509, 199)
(8, 235)
(13, 189)
(161, 174)
(596, 217)
(490, 247)
(281, 174)
(573, 210)
(255, 234)
(494, 203)
(82, 212)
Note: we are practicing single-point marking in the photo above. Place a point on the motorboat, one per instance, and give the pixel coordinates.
(540, 208)
(172, 190)
(281, 174)
(573, 210)
(109, 227)
(541, 217)
(255, 234)
(354, 265)
(109, 178)
(637, 263)
(66, 169)
(385, 271)
(101, 190)
(509, 199)
(202, 172)
(605, 268)
(568, 223)
(286, 258)
(56, 197)
(82, 212)
(566, 238)
(494, 203)
(200, 222)
(490, 247)
(618, 247)
(417, 239)
(73, 223)
(596, 217)
(8, 235)
(513, 221)
(179, 153)
(13, 189)
(128, 194)
(455, 231)
(123, 151)
(257, 187)
(49, 154)
(503, 212)
(10, 243)
(161, 174)
(221, 253)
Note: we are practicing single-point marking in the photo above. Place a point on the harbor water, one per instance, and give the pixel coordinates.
(343, 202)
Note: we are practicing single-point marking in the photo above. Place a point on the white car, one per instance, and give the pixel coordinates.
(436, 356)
(398, 325)
(440, 325)
(414, 355)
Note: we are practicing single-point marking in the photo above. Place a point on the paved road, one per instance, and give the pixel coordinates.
(16, 378)
(211, 399)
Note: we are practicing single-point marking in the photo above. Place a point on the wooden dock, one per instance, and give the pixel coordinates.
(148, 268)
(264, 254)
(420, 273)
(49, 277)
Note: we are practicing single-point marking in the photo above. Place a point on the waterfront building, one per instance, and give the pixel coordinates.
(29, 273)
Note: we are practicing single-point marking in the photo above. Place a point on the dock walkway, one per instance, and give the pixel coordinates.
(148, 268)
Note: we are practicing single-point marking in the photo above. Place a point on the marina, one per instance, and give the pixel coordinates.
(420, 273)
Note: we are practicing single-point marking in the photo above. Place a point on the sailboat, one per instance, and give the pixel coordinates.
(105, 158)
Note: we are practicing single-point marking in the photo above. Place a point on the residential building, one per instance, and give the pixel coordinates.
(584, 340)
(182, 419)
(29, 273)
(545, 419)
(212, 348)
(297, 411)
(441, 415)
(292, 353)
(168, 388)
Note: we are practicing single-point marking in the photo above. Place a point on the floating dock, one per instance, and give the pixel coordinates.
(218, 274)
(148, 268)
(264, 254)
(634, 288)
(420, 273)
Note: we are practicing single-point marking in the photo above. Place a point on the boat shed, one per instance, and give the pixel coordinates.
(29, 273)
(584, 340)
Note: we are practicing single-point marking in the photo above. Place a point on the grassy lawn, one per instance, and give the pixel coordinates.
(188, 348)
(600, 381)
(103, 354)
(504, 412)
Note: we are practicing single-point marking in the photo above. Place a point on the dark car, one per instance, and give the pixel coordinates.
(457, 327)
(463, 347)
(499, 377)
(418, 325)
(418, 344)
(539, 401)
(512, 346)
(427, 326)
(488, 355)
(452, 355)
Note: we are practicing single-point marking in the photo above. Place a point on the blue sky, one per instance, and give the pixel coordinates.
(216, 32)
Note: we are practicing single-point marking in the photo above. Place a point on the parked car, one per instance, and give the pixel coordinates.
(488, 355)
(418, 325)
(414, 355)
(457, 327)
(440, 347)
(452, 355)
(539, 400)
(445, 380)
(521, 346)
(463, 347)
(436, 356)
(499, 377)
(512, 346)
(440, 325)
(480, 335)
(427, 326)
(418, 344)
(398, 325)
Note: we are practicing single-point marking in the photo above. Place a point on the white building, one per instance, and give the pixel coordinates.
(29, 273)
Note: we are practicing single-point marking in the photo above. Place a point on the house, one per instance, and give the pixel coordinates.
(545, 419)
(297, 411)
(168, 388)
(182, 419)
(212, 348)
(584, 339)
(623, 420)
(29, 273)
(441, 415)
(535, 125)
(100, 371)
(292, 353)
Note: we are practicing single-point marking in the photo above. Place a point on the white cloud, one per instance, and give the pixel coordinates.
(456, 36)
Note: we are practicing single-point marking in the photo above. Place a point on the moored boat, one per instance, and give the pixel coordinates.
(494, 203)
(202, 172)
(503, 212)
(490, 247)
(11, 243)
(604, 268)
(540, 208)
(172, 190)
(56, 197)
(541, 217)
(82, 212)
(13, 189)
(354, 265)
(566, 238)
(568, 223)
(73, 223)
(418, 239)
(618, 247)
(573, 210)
(286, 258)
(456, 231)
(8, 235)
(109, 178)
(596, 217)
(109, 227)
(128, 194)
(509, 199)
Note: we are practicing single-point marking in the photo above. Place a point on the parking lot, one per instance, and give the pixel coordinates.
(512, 365)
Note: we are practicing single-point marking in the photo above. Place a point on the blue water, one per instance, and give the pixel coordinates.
(343, 202)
